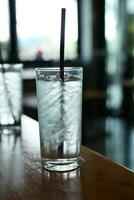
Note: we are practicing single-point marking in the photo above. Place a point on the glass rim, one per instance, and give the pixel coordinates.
(11, 67)
(58, 69)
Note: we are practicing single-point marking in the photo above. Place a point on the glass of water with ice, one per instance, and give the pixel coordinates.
(59, 114)
(10, 96)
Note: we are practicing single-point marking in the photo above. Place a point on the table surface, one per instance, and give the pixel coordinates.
(22, 178)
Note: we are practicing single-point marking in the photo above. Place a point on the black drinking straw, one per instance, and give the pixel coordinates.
(62, 43)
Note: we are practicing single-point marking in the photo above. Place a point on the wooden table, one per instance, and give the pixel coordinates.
(22, 178)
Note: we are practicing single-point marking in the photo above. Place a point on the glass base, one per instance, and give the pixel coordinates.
(60, 165)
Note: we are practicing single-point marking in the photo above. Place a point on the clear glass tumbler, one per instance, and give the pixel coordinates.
(59, 114)
(10, 95)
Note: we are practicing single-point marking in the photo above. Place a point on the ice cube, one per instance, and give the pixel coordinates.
(67, 76)
(57, 77)
(70, 77)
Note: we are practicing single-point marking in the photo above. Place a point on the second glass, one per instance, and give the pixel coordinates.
(10, 95)
(59, 114)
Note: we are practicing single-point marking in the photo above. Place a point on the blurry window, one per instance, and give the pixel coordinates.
(4, 27)
(38, 29)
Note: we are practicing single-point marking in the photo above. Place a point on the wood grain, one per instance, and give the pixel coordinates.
(22, 178)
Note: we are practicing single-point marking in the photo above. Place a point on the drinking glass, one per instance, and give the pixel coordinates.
(59, 114)
(10, 95)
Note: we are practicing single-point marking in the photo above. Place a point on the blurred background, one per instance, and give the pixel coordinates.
(99, 37)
